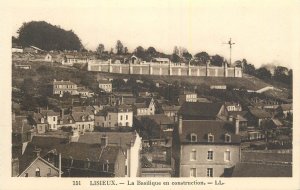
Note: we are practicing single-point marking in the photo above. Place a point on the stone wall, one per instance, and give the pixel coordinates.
(164, 69)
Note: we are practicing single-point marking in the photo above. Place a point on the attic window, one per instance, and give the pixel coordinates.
(227, 137)
(193, 137)
(210, 137)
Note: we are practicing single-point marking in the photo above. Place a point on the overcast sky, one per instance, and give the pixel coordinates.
(264, 31)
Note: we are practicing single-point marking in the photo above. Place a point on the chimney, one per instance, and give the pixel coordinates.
(37, 151)
(230, 118)
(39, 110)
(180, 124)
(104, 141)
(237, 125)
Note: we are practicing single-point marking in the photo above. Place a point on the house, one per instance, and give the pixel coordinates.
(115, 116)
(285, 109)
(84, 118)
(203, 111)
(242, 118)
(71, 59)
(22, 66)
(206, 148)
(39, 147)
(171, 111)
(257, 116)
(160, 60)
(130, 142)
(90, 160)
(65, 120)
(118, 98)
(105, 85)
(48, 58)
(218, 87)
(187, 96)
(16, 49)
(45, 120)
(61, 87)
(233, 106)
(145, 106)
(32, 49)
(39, 167)
(84, 92)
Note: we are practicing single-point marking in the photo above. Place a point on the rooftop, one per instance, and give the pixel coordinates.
(204, 127)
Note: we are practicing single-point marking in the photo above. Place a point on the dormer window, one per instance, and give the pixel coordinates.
(193, 137)
(82, 118)
(210, 138)
(227, 138)
(42, 120)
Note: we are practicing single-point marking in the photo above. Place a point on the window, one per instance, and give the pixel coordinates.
(37, 172)
(227, 138)
(210, 155)
(109, 117)
(193, 137)
(26, 174)
(49, 171)
(210, 138)
(125, 170)
(210, 172)
(121, 117)
(193, 172)
(53, 118)
(227, 155)
(193, 155)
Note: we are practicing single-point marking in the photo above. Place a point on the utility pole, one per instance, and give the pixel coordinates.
(230, 43)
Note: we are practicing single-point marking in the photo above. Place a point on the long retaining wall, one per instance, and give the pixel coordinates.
(164, 69)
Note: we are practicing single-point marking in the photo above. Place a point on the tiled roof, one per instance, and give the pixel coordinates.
(200, 109)
(286, 107)
(48, 113)
(65, 119)
(203, 127)
(158, 118)
(261, 170)
(259, 113)
(87, 109)
(140, 105)
(81, 116)
(92, 152)
(104, 82)
(170, 108)
(122, 139)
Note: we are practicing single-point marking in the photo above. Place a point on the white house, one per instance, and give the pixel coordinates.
(120, 116)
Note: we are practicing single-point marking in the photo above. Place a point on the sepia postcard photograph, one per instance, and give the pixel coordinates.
(150, 94)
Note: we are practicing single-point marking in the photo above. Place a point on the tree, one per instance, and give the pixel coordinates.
(125, 50)
(48, 37)
(28, 86)
(187, 55)
(217, 60)
(176, 51)
(119, 47)
(248, 68)
(100, 49)
(263, 73)
(140, 52)
(202, 57)
(175, 58)
(238, 63)
(151, 51)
